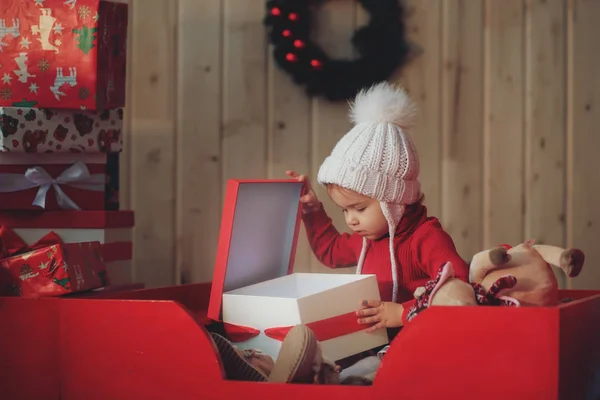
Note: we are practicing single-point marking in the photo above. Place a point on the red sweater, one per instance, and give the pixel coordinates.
(421, 248)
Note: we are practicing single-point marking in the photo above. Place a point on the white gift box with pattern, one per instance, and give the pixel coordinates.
(255, 292)
(26, 130)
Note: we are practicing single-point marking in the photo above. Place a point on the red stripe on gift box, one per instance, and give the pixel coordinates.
(238, 333)
(117, 251)
(67, 219)
(324, 329)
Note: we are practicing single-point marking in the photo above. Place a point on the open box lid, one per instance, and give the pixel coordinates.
(258, 236)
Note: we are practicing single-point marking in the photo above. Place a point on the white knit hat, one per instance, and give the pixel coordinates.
(377, 157)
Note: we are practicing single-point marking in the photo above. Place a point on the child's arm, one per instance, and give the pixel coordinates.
(432, 247)
(330, 247)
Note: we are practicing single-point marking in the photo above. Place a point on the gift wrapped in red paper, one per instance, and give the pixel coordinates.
(58, 181)
(63, 53)
(49, 267)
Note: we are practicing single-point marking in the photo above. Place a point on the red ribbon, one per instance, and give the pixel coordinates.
(12, 245)
(238, 333)
(324, 329)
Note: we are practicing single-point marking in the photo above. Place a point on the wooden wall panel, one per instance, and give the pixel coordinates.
(334, 25)
(244, 91)
(199, 158)
(152, 150)
(462, 123)
(584, 141)
(421, 78)
(506, 94)
(503, 134)
(545, 123)
(289, 140)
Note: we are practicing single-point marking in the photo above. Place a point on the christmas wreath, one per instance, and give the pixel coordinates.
(380, 44)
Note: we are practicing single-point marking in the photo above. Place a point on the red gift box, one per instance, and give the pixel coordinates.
(113, 229)
(52, 181)
(63, 53)
(49, 267)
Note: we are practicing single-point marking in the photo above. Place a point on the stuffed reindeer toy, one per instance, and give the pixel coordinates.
(530, 264)
(503, 276)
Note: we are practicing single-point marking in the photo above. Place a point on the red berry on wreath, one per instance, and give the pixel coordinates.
(298, 43)
(291, 57)
(275, 11)
(315, 63)
(293, 16)
(286, 33)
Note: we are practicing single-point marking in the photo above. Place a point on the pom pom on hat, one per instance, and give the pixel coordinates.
(383, 102)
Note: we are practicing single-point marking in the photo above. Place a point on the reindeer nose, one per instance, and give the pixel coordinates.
(499, 256)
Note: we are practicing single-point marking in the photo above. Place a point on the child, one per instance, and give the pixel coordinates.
(372, 175)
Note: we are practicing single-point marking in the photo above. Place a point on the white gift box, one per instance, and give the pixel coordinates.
(254, 290)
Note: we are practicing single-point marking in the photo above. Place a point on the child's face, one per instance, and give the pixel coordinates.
(363, 214)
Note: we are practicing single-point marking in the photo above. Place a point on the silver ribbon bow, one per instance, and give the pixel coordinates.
(77, 175)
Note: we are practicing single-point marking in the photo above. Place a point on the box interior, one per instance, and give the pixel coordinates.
(262, 237)
(297, 285)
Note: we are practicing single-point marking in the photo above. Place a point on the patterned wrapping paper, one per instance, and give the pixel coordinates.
(32, 130)
(49, 267)
(68, 54)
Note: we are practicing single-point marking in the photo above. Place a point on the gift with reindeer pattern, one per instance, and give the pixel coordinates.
(66, 54)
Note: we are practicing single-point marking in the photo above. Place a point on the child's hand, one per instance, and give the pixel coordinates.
(384, 314)
(309, 200)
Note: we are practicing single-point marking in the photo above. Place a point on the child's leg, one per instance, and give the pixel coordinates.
(366, 368)
(300, 361)
(242, 365)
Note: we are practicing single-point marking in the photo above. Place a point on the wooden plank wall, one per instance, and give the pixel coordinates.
(509, 110)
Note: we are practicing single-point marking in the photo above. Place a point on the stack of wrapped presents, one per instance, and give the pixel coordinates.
(62, 96)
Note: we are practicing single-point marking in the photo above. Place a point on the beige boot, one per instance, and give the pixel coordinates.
(300, 360)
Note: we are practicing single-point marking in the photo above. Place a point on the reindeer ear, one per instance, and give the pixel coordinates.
(529, 243)
(448, 268)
